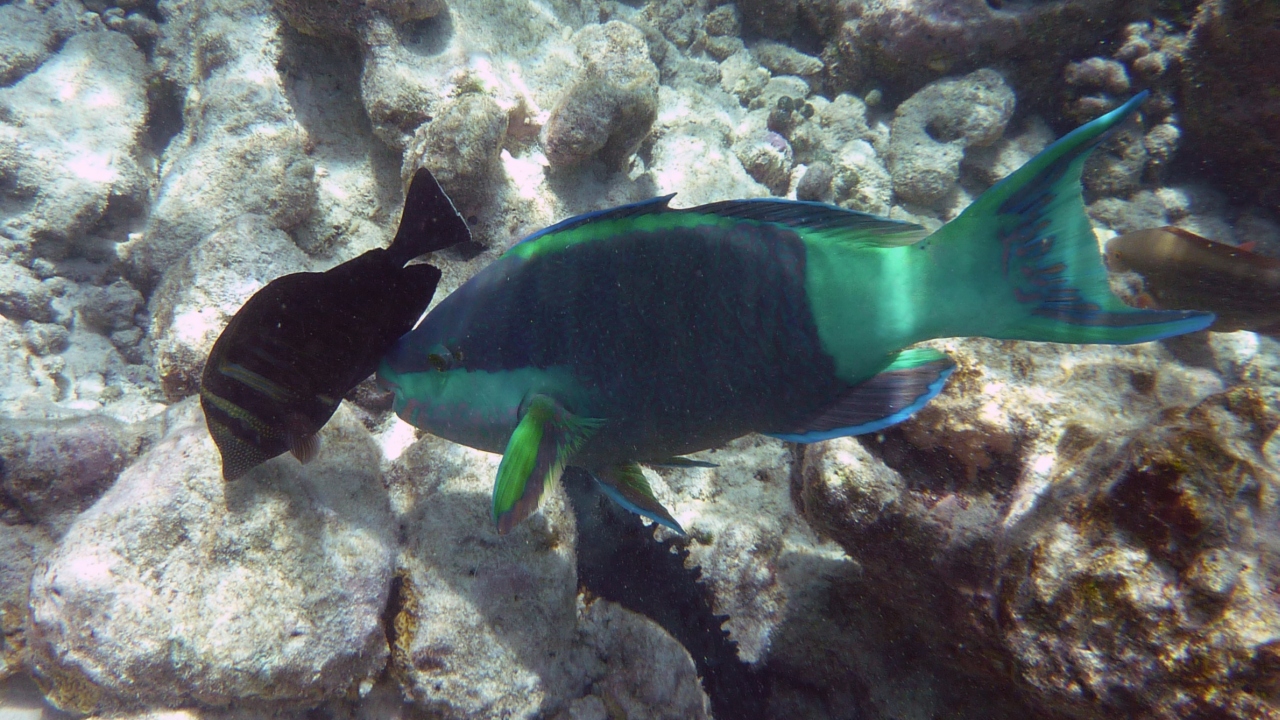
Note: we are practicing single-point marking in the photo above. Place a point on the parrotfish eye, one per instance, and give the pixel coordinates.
(437, 361)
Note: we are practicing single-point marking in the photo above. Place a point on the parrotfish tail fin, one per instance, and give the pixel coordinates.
(429, 222)
(1043, 278)
(627, 486)
(915, 377)
(544, 439)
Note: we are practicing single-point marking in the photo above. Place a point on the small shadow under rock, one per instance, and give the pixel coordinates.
(620, 560)
(427, 37)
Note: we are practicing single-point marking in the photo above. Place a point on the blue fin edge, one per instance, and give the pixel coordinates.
(617, 497)
(934, 388)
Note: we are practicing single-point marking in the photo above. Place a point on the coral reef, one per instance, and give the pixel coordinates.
(932, 129)
(460, 147)
(241, 149)
(901, 45)
(1083, 569)
(611, 104)
(1230, 112)
(169, 590)
(69, 148)
(1064, 532)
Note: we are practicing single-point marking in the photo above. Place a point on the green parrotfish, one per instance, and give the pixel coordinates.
(642, 333)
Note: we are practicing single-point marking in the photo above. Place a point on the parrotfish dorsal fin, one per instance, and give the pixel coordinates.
(822, 220)
(915, 377)
(544, 439)
(626, 485)
(644, 207)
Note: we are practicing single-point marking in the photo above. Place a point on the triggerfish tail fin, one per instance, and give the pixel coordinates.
(627, 486)
(544, 439)
(1022, 261)
(429, 221)
(915, 377)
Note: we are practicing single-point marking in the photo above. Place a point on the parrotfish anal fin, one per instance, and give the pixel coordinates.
(819, 219)
(429, 221)
(536, 454)
(915, 377)
(627, 486)
(681, 462)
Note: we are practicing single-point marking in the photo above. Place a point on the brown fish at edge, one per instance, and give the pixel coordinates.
(1183, 271)
(280, 368)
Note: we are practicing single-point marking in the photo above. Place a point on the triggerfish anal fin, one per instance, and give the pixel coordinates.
(627, 486)
(536, 454)
(915, 377)
(1041, 244)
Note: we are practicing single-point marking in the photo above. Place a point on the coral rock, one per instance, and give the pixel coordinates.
(460, 147)
(21, 549)
(70, 136)
(241, 149)
(611, 105)
(481, 625)
(767, 157)
(60, 467)
(933, 127)
(1229, 107)
(178, 588)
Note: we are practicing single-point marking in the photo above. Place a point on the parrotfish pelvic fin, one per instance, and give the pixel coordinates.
(626, 485)
(544, 439)
(915, 377)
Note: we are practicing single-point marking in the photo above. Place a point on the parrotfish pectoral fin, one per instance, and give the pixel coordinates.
(429, 221)
(1037, 248)
(536, 454)
(627, 486)
(915, 377)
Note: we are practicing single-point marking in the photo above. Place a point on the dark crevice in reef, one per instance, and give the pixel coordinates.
(164, 114)
(620, 560)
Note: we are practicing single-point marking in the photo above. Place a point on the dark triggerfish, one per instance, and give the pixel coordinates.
(278, 371)
(638, 334)
(1182, 270)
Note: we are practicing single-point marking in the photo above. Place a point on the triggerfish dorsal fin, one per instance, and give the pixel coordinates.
(1037, 260)
(429, 221)
(820, 221)
(626, 485)
(544, 439)
(915, 377)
